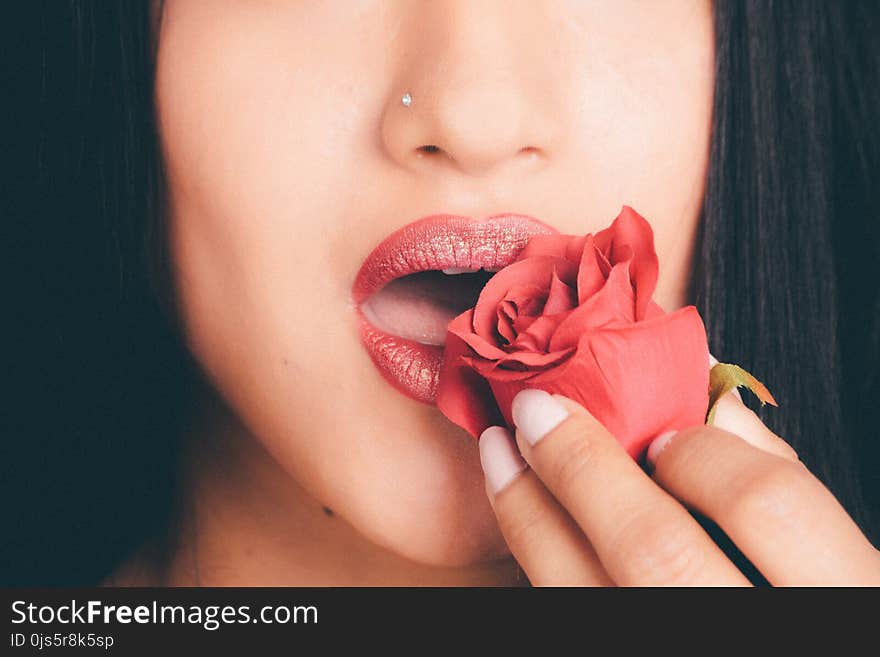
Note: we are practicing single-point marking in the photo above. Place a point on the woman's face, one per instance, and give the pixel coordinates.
(290, 157)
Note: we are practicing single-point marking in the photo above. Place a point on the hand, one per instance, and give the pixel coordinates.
(585, 513)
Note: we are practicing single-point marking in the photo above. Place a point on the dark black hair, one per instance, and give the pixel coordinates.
(785, 274)
(101, 380)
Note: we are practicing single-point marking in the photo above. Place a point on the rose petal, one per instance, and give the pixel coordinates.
(534, 271)
(524, 306)
(633, 230)
(613, 303)
(529, 299)
(507, 313)
(592, 271)
(653, 310)
(525, 342)
(460, 327)
(508, 309)
(463, 395)
(637, 379)
(537, 360)
(523, 322)
(568, 247)
(537, 336)
(483, 348)
(561, 298)
(518, 366)
(492, 372)
(505, 326)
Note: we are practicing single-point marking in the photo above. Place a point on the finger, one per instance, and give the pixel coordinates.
(734, 416)
(778, 514)
(641, 534)
(548, 545)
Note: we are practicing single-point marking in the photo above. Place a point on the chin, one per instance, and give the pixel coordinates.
(439, 545)
(430, 515)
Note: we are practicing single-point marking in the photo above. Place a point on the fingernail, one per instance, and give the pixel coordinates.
(499, 457)
(536, 413)
(658, 444)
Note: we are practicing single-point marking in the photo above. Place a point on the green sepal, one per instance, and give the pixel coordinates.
(724, 377)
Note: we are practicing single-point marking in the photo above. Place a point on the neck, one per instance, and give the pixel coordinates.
(243, 520)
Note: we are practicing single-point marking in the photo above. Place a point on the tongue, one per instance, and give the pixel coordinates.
(419, 306)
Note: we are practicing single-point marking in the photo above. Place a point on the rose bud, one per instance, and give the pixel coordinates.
(573, 315)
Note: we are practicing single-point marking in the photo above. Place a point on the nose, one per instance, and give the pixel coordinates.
(482, 76)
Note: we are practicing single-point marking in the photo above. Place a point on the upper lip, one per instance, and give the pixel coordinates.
(443, 240)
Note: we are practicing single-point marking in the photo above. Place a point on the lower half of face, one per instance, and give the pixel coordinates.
(292, 366)
(289, 158)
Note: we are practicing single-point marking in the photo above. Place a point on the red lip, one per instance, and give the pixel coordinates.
(432, 243)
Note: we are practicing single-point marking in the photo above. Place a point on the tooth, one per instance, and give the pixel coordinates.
(460, 270)
(492, 269)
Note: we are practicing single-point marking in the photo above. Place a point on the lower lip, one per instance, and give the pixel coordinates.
(411, 367)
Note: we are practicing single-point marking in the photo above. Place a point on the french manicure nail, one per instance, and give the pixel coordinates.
(658, 444)
(536, 413)
(499, 457)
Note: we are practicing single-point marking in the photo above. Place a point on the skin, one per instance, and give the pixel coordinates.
(583, 513)
(289, 157)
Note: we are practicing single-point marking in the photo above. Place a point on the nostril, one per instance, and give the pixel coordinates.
(430, 149)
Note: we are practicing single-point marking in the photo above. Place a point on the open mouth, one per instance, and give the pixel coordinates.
(420, 278)
(419, 306)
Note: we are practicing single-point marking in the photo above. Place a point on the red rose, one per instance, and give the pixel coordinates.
(573, 315)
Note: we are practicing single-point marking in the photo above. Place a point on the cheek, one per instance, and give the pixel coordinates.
(652, 126)
(275, 342)
(257, 229)
(276, 345)
(249, 178)
(647, 100)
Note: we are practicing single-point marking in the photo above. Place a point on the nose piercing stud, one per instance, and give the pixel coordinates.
(406, 100)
